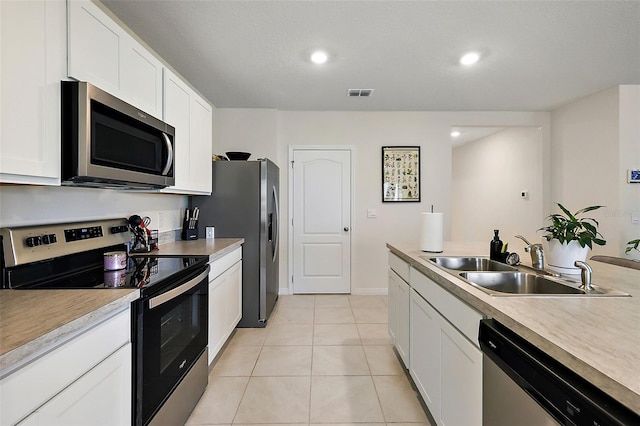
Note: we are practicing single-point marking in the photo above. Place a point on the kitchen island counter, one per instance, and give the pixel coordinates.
(596, 337)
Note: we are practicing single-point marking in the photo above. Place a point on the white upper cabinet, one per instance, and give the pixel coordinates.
(177, 102)
(105, 55)
(32, 53)
(191, 116)
(201, 145)
(141, 78)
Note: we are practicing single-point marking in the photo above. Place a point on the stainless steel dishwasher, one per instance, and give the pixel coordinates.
(524, 386)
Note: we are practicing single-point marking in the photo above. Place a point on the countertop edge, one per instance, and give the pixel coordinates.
(223, 252)
(40, 346)
(617, 390)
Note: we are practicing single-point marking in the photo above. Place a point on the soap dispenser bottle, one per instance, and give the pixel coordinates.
(496, 246)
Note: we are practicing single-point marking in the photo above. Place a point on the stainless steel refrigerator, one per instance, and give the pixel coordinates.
(244, 204)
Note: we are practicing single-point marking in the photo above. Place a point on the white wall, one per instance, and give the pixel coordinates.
(247, 130)
(629, 159)
(488, 175)
(594, 140)
(367, 132)
(35, 205)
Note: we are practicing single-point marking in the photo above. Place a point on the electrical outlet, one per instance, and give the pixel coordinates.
(524, 195)
(210, 232)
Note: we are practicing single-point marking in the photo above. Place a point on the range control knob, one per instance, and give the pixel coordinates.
(33, 241)
(119, 229)
(49, 239)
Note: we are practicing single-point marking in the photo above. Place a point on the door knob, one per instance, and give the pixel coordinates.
(346, 229)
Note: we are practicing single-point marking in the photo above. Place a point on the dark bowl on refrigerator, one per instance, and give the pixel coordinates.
(236, 155)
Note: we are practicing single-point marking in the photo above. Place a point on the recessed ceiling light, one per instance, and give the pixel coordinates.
(455, 133)
(469, 58)
(319, 57)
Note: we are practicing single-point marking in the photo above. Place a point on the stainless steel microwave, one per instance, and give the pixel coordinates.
(109, 143)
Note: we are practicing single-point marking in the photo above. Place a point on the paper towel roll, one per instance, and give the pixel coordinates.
(431, 232)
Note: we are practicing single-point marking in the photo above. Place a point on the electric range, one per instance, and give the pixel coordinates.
(169, 321)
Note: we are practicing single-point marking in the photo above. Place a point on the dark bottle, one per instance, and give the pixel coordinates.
(496, 246)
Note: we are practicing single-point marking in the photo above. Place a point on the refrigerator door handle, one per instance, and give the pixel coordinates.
(275, 224)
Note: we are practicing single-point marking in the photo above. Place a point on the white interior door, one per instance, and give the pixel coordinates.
(321, 254)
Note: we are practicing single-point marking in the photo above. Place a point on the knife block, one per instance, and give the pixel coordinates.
(189, 234)
(189, 230)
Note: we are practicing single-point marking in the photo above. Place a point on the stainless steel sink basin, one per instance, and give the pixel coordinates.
(524, 284)
(469, 264)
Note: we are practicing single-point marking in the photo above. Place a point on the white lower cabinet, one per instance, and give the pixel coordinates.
(444, 359)
(100, 397)
(86, 381)
(461, 370)
(398, 321)
(225, 299)
(399, 315)
(425, 352)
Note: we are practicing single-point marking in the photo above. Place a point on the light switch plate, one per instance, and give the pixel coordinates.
(371, 213)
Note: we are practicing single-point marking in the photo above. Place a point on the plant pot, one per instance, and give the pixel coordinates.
(560, 257)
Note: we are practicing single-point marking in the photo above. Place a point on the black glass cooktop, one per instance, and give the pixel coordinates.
(87, 272)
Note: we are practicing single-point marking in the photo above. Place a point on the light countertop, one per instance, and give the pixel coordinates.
(214, 248)
(33, 322)
(596, 337)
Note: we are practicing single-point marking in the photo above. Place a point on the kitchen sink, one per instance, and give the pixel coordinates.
(525, 284)
(469, 264)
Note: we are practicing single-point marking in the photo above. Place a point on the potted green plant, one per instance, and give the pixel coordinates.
(632, 245)
(569, 237)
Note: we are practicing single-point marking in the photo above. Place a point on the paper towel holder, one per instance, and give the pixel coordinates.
(431, 232)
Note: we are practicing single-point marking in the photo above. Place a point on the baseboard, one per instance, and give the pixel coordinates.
(357, 292)
(370, 291)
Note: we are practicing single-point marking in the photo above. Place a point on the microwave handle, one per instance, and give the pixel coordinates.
(167, 166)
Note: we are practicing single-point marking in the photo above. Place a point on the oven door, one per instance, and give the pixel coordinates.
(170, 335)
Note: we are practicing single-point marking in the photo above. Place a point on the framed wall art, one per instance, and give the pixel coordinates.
(400, 174)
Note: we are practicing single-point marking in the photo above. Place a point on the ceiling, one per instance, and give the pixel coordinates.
(535, 55)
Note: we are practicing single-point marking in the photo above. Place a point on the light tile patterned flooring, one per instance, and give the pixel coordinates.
(321, 359)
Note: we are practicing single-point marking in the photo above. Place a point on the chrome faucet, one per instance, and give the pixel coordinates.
(537, 256)
(585, 275)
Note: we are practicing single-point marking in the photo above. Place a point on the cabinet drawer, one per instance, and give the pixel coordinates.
(399, 266)
(29, 387)
(225, 262)
(459, 314)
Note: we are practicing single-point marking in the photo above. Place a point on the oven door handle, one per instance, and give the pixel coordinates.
(172, 294)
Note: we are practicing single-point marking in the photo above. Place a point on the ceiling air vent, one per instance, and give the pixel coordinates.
(359, 92)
